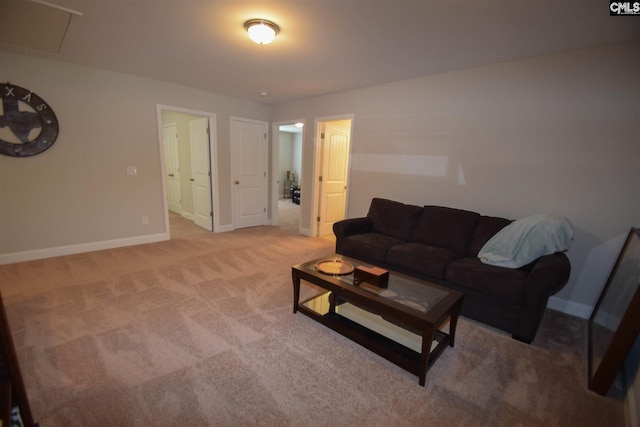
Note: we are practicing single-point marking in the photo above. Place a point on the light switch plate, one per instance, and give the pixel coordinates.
(132, 170)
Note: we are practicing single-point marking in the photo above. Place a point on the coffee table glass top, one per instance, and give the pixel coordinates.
(404, 290)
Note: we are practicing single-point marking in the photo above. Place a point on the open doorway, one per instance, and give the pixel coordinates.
(331, 172)
(188, 147)
(287, 166)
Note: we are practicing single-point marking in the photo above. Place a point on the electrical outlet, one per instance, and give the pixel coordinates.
(145, 220)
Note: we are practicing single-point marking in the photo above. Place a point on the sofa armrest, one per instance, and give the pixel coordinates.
(351, 226)
(549, 274)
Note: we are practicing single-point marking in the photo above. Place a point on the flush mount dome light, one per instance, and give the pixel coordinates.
(261, 31)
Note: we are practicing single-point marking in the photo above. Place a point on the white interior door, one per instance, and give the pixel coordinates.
(172, 166)
(333, 185)
(201, 172)
(249, 172)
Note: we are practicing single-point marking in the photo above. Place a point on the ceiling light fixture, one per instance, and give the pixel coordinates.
(261, 31)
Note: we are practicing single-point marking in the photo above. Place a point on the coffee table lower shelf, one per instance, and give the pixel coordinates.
(407, 358)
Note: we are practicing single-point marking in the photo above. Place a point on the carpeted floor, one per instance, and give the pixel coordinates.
(199, 331)
(289, 216)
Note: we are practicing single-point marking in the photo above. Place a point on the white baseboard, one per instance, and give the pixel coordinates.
(306, 232)
(570, 307)
(223, 228)
(81, 248)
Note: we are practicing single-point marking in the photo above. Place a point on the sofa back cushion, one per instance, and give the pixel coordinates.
(487, 227)
(393, 218)
(446, 228)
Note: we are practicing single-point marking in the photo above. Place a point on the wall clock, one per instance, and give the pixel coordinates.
(24, 113)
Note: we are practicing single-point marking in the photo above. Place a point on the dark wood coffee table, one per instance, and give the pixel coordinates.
(403, 323)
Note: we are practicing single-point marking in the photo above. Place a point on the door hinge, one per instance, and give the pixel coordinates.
(320, 178)
(322, 135)
(264, 209)
(265, 136)
(211, 213)
(318, 219)
(209, 174)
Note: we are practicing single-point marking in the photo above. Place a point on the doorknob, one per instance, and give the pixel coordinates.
(170, 174)
(191, 179)
(237, 182)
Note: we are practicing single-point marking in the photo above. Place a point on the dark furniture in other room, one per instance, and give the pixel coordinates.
(295, 195)
(288, 188)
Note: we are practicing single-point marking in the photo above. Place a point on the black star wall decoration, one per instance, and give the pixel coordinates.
(22, 121)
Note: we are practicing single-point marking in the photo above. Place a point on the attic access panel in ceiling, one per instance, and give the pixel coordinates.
(34, 24)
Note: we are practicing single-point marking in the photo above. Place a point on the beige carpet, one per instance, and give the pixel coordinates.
(289, 216)
(199, 331)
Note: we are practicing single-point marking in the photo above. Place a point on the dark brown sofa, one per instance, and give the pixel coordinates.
(441, 244)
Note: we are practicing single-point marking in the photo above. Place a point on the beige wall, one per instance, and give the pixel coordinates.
(285, 162)
(77, 194)
(296, 154)
(552, 134)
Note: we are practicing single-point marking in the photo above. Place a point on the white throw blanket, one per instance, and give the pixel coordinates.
(527, 239)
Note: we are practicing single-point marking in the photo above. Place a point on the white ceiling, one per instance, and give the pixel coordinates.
(324, 46)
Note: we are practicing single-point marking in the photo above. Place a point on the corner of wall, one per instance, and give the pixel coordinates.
(569, 307)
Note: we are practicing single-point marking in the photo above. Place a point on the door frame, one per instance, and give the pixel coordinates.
(213, 161)
(317, 167)
(275, 166)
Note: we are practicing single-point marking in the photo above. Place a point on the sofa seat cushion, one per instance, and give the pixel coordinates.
(370, 246)
(504, 284)
(393, 218)
(446, 228)
(421, 258)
